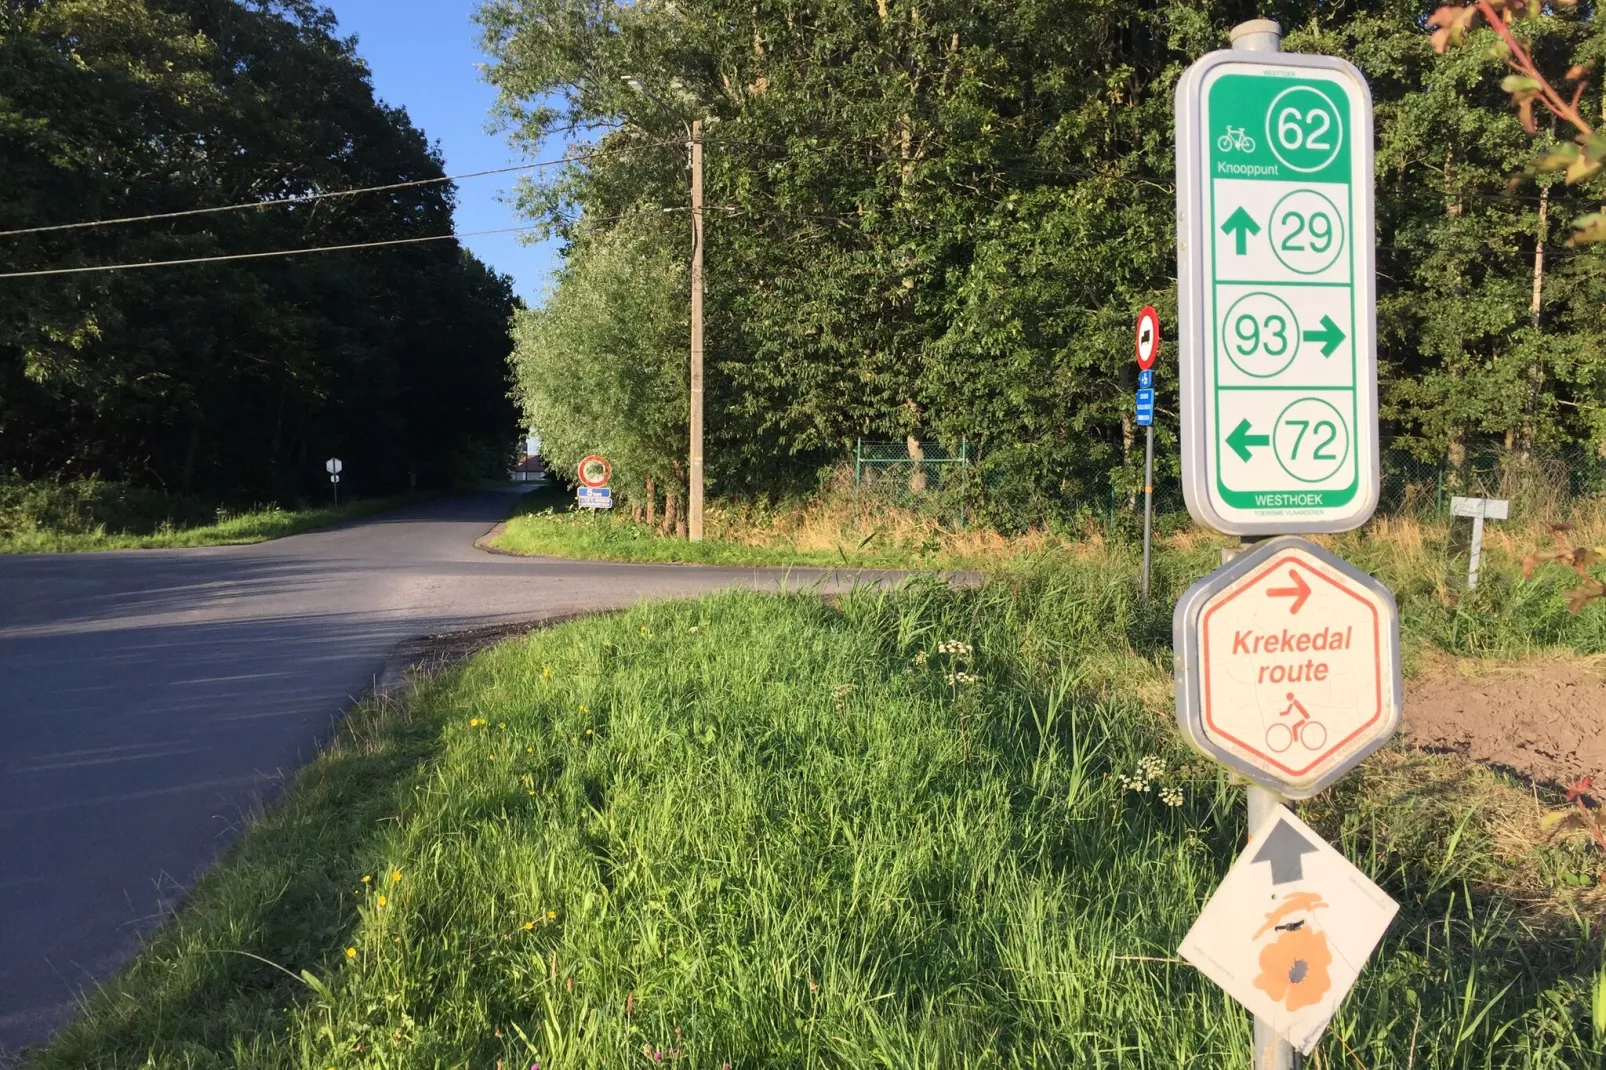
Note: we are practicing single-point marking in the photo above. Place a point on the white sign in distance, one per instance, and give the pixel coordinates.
(1488, 508)
(1288, 666)
(333, 466)
(1277, 296)
(1288, 931)
(1479, 509)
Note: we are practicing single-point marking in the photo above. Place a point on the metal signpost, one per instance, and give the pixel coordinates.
(1479, 509)
(1148, 350)
(1276, 289)
(593, 472)
(1287, 657)
(333, 467)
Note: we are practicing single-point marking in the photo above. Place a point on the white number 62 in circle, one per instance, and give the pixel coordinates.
(1305, 128)
(1308, 131)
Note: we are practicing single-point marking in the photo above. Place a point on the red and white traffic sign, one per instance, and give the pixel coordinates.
(1148, 338)
(594, 471)
(1288, 666)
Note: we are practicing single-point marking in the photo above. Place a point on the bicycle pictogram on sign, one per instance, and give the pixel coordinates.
(1235, 138)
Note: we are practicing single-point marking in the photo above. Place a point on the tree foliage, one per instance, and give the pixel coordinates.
(234, 379)
(602, 367)
(938, 219)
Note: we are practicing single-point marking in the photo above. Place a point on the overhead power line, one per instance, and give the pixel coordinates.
(308, 198)
(223, 257)
(262, 255)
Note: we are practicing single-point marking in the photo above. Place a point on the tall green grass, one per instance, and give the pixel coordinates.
(763, 831)
(67, 518)
(545, 524)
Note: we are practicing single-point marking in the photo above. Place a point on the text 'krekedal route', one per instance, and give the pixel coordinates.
(1247, 641)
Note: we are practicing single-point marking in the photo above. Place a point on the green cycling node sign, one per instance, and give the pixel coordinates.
(1277, 301)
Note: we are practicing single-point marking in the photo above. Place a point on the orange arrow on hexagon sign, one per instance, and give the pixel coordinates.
(1298, 592)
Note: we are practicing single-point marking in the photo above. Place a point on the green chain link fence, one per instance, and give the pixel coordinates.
(938, 479)
(1566, 483)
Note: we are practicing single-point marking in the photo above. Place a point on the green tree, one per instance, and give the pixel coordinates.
(233, 379)
(938, 219)
(601, 368)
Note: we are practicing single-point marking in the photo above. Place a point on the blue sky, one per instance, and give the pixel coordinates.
(423, 55)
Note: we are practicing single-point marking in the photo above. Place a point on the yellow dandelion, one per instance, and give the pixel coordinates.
(527, 926)
(529, 750)
(584, 708)
(501, 724)
(395, 875)
(588, 731)
(381, 900)
(552, 915)
(351, 952)
(493, 757)
(367, 877)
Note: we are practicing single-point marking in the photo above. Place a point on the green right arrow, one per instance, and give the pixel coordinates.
(1240, 225)
(1240, 440)
(1330, 336)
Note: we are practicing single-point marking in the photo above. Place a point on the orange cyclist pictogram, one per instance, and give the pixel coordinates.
(1293, 968)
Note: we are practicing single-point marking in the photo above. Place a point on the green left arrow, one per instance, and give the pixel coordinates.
(1329, 336)
(1240, 225)
(1240, 439)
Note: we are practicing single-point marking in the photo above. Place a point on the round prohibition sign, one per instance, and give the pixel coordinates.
(1304, 129)
(594, 471)
(1311, 440)
(1148, 337)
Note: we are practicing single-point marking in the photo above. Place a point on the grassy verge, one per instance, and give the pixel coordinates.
(256, 525)
(762, 831)
(545, 525)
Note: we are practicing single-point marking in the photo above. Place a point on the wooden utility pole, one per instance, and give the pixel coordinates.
(694, 494)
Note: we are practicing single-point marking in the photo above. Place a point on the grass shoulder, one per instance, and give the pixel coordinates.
(546, 525)
(762, 830)
(249, 526)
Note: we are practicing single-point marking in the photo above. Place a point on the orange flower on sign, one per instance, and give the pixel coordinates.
(1293, 968)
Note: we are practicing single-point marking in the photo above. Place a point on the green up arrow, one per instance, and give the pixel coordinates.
(1240, 226)
(1240, 440)
(1329, 336)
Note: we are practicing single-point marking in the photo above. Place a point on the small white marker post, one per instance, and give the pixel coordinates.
(1479, 509)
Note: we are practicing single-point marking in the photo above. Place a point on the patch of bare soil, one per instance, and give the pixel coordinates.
(1544, 719)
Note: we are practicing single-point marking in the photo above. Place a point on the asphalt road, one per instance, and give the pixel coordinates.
(149, 699)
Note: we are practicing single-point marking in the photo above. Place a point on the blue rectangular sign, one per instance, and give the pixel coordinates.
(594, 498)
(1146, 379)
(1145, 408)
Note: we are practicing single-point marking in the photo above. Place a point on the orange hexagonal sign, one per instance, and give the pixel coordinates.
(1288, 665)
